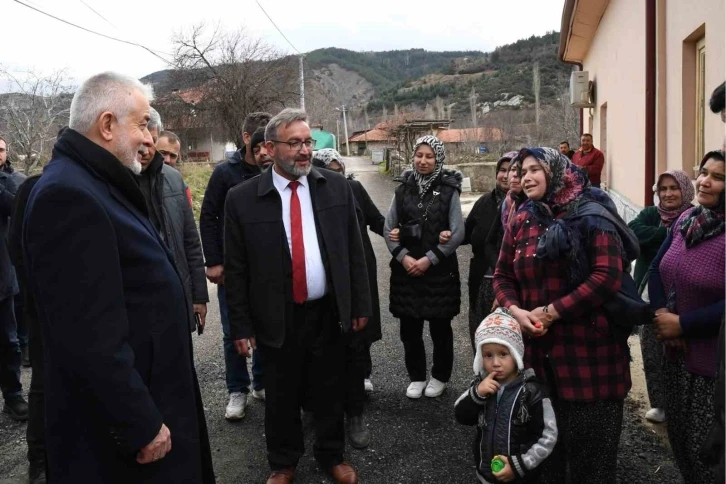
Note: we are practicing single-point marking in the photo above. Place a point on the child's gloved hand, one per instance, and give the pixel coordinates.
(506, 474)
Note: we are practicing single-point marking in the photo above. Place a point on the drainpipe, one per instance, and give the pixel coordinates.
(650, 100)
(567, 10)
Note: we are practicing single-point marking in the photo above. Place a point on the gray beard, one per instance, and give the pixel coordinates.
(292, 169)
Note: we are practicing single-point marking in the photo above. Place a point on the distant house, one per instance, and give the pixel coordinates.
(376, 138)
(653, 65)
(468, 139)
(199, 143)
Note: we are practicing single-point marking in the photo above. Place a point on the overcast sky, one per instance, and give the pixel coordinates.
(31, 40)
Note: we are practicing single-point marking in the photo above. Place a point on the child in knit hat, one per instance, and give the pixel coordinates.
(514, 418)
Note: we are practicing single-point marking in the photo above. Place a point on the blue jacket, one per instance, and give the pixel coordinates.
(211, 220)
(118, 357)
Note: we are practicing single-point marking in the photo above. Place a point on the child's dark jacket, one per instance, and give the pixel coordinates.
(521, 425)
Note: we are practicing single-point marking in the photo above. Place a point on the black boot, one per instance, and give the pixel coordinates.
(358, 433)
(25, 357)
(36, 473)
(16, 408)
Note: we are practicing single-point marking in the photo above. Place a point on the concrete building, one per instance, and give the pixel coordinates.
(653, 65)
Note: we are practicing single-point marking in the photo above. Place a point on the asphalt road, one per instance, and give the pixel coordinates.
(412, 441)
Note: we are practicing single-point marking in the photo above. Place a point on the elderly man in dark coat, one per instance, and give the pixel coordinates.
(120, 384)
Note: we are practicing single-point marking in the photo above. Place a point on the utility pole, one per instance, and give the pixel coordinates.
(536, 86)
(345, 129)
(302, 84)
(337, 132)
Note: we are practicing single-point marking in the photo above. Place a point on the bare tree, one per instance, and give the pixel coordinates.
(560, 122)
(37, 106)
(236, 75)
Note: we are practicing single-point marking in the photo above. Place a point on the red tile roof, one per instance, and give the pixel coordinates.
(476, 135)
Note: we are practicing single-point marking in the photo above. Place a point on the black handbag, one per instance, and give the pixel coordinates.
(627, 309)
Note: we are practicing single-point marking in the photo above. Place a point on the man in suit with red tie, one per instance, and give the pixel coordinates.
(297, 286)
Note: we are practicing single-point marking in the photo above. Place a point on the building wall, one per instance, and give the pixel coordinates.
(616, 63)
(685, 24)
(202, 140)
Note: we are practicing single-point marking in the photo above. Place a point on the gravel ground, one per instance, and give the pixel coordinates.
(412, 441)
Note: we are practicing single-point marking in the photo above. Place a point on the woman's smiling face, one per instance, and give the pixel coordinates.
(534, 180)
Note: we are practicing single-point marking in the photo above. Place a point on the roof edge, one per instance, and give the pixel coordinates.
(565, 29)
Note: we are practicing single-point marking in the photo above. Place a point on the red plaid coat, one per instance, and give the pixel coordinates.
(589, 360)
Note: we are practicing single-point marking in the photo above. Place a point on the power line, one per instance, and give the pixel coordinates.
(94, 11)
(92, 31)
(278, 28)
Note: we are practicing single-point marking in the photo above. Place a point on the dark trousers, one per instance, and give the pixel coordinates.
(236, 374)
(357, 369)
(36, 396)
(9, 351)
(22, 324)
(310, 364)
(415, 352)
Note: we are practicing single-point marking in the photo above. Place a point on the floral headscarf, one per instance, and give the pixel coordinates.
(424, 182)
(323, 158)
(667, 217)
(565, 181)
(704, 223)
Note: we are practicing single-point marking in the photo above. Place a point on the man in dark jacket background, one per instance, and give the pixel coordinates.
(120, 377)
(22, 325)
(297, 285)
(172, 216)
(239, 167)
(10, 356)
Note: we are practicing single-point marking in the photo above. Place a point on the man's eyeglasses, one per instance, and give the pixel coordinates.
(297, 144)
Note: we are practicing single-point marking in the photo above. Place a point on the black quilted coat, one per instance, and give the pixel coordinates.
(437, 294)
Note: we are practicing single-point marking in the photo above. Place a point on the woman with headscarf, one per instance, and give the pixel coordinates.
(686, 286)
(479, 222)
(359, 365)
(516, 195)
(486, 302)
(425, 281)
(675, 195)
(554, 274)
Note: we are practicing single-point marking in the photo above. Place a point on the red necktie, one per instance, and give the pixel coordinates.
(299, 277)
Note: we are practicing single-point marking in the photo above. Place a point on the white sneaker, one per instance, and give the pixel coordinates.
(236, 407)
(259, 395)
(655, 415)
(435, 388)
(415, 389)
(368, 385)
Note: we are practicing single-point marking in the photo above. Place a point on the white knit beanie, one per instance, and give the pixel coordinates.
(501, 328)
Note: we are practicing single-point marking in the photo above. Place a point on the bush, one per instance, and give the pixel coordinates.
(196, 176)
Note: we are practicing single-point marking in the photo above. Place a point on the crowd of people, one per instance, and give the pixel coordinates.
(104, 279)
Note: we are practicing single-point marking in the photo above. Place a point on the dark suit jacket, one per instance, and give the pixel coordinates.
(116, 331)
(257, 261)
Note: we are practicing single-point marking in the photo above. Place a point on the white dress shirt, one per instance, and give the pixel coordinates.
(314, 269)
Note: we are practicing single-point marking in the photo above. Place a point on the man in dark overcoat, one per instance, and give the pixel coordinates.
(122, 398)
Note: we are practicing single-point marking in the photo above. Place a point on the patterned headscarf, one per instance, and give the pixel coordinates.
(667, 217)
(704, 223)
(323, 158)
(424, 182)
(565, 181)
